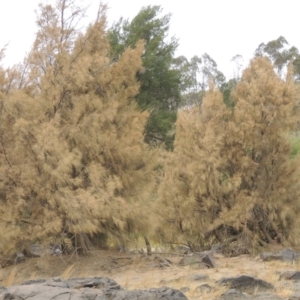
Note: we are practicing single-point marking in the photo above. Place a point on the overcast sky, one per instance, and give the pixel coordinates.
(221, 28)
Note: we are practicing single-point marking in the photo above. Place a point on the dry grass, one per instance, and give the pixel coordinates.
(133, 272)
(11, 277)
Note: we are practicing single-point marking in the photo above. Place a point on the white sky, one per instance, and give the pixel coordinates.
(221, 28)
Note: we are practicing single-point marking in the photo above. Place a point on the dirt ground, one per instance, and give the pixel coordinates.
(136, 272)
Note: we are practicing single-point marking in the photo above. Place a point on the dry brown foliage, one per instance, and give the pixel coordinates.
(231, 176)
(72, 152)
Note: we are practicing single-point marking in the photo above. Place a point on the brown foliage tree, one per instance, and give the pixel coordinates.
(231, 176)
(79, 161)
(266, 112)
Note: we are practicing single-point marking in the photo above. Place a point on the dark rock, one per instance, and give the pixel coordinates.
(266, 296)
(163, 293)
(286, 255)
(197, 277)
(204, 288)
(183, 249)
(12, 297)
(290, 275)
(199, 259)
(208, 260)
(246, 284)
(234, 294)
(238, 295)
(97, 288)
(161, 262)
(38, 292)
(57, 279)
(97, 282)
(34, 281)
(167, 293)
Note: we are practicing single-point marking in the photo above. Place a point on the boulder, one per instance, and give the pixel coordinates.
(182, 249)
(98, 288)
(34, 281)
(208, 260)
(201, 260)
(197, 277)
(161, 262)
(204, 288)
(103, 283)
(234, 294)
(290, 275)
(266, 296)
(246, 284)
(238, 295)
(286, 255)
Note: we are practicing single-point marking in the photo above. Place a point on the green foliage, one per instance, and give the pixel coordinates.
(160, 83)
(226, 89)
(281, 56)
(295, 141)
(160, 128)
(197, 74)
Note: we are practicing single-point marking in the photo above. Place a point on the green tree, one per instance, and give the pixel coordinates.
(209, 72)
(182, 64)
(205, 70)
(195, 94)
(196, 76)
(227, 89)
(279, 54)
(238, 66)
(160, 82)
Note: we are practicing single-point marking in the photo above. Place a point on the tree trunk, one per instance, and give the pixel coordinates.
(149, 252)
(82, 244)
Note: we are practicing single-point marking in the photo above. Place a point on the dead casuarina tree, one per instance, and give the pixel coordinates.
(231, 176)
(77, 162)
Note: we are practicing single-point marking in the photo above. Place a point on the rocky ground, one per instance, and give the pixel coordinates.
(109, 275)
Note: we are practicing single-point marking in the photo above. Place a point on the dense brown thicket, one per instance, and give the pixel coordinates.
(231, 176)
(72, 152)
(73, 161)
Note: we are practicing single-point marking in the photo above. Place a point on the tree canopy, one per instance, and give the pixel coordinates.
(81, 116)
(160, 82)
(73, 157)
(244, 186)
